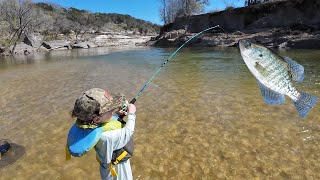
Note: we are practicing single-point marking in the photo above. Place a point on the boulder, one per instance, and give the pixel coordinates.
(91, 44)
(32, 40)
(174, 34)
(78, 45)
(283, 45)
(173, 38)
(42, 49)
(23, 49)
(84, 45)
(56, 44)
(2, 49)
(153, 38)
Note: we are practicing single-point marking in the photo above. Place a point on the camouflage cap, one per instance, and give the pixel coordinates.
(96, 101)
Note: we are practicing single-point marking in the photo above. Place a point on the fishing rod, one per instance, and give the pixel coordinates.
(163, 64)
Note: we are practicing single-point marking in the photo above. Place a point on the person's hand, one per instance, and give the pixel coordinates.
(132, 108)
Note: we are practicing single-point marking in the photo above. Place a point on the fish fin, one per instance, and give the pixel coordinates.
(270, 96)
(296, 70)
(305, 103)
(262, 70)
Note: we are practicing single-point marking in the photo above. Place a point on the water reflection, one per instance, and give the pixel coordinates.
(60, 55)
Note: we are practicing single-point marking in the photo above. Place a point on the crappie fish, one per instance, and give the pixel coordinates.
(275, 75)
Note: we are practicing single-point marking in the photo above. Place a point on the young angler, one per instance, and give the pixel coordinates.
(97, 127)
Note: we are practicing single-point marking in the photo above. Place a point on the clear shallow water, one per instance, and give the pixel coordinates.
(202, 117)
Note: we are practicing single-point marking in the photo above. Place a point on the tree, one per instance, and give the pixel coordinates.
(163, 11)
(252, 2)
(190, 7)
(82, 21)
(170, 9)
(22, 17)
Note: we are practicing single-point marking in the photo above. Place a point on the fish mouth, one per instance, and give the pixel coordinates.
(244, 44)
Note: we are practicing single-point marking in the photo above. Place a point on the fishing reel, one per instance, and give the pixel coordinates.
(124, 108)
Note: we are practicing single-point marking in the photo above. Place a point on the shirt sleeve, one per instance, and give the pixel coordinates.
(117, 139)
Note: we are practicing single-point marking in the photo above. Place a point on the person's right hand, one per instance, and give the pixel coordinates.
(132, 108)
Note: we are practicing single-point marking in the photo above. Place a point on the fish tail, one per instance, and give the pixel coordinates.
(305, 103)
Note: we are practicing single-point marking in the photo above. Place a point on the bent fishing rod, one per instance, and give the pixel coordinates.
(163, 64)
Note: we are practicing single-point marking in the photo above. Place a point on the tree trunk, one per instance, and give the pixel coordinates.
(16, 42)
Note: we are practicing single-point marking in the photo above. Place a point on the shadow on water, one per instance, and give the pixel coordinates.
(16, 152)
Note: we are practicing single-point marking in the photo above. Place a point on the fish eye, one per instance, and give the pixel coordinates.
(260, 55)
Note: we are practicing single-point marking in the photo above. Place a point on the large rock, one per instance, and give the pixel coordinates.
(57, 44)
(78, 45)
(23, 49)
(2, 50)
(91, 44)
(174, 38)
(283, 45)
(32, 40)
(84, 45)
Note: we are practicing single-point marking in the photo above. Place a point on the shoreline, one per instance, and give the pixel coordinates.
(32, 43)
(276, 38)
(277, 24)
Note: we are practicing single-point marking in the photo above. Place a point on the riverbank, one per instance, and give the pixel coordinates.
(277, 38)
(281, 24)
(35, 43)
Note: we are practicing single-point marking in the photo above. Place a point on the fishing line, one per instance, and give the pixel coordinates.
(164, 63)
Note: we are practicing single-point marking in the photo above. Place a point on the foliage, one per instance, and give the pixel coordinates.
(82, 21)
(170, 9)
(22, 17)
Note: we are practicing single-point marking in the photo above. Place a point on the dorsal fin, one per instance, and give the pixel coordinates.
(296, 70)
